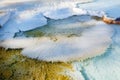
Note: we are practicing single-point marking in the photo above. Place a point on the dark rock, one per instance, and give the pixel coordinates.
(0, 26)
(117, 19)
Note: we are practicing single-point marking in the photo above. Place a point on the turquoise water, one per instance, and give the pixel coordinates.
(55, 17)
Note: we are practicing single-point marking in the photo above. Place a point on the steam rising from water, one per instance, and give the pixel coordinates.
(65, 40)
(60, 33)
(63, 37)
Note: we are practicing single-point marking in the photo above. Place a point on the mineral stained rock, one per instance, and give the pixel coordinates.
(14, 66)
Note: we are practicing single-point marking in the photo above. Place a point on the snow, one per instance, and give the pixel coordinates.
(29, 16)
(75, 74)
(64, 13)
(111, 7)
(28, 20)
(66, 48)
(24, 21)
(107, 66)
(59, 13)
(94, 37)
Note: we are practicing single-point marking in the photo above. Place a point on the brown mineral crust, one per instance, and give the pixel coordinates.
(14, 66)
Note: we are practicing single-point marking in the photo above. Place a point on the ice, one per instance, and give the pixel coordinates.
(53, 10)
(21, 21)
(4, 36)
(64, 13)
(59, 13)
(59, 47)
(111, 7)
(4, 17)
(75, 74)
(107, 66)
(28, 20)
(46, 5)
(90, 39)
(24, 21)
(28, 14)
(114, 11)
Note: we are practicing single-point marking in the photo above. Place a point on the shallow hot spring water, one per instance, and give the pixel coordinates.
(70, 39)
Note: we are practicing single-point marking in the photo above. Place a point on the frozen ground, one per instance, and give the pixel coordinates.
(97, 37)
